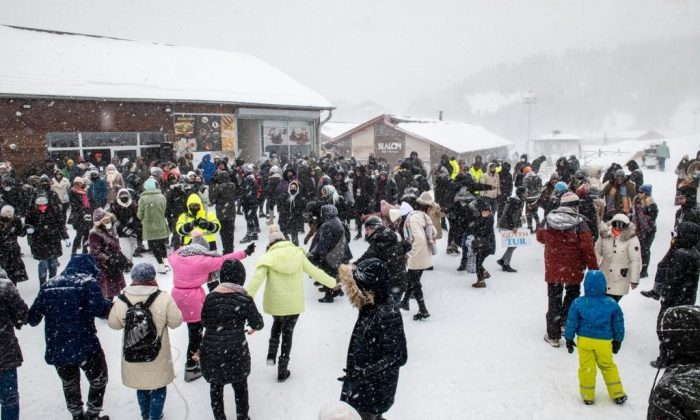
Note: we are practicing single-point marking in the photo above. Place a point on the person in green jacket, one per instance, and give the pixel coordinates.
(283, 266)
(662, 153)
(151, 213)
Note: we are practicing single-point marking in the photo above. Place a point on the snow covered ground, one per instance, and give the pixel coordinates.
(480, 356)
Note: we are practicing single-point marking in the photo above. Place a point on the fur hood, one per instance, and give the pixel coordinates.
(357, 297)
(627, 233)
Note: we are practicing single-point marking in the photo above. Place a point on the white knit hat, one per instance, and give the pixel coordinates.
(338, 411)
(7, 211)
(274, 234)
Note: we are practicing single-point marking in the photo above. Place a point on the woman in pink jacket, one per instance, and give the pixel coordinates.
(193, 266)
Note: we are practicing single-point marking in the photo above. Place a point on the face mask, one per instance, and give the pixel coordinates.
(124, 199)
(7, 188)
(292, 191)
(4, 219)
(194, 209)
(108, 226)
(42, 207)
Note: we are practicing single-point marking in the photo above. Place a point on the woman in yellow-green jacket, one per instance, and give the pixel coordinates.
(283, 266)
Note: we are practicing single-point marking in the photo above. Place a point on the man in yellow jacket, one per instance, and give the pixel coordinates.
(196, 216)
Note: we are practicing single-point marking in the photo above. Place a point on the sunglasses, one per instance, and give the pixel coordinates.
(619, 225)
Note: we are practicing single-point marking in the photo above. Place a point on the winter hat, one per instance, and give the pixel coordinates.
(373, 222)
(69, 162)
(78, 180)
(527, 170)
(199, 239)
(191, 174)
(156, 172)
(248, 168)
(338, 410)
(569, 199)
(100, 214)
(371, 275)
(620, 217)
(688, 191)
(150, 184)
(394, 215)
(425, 199)
(7, 211)
(679, 330)
(232, 271)
(111, 167)
(275, 170)
(142, 273)
(41, 200)
(274, 234)
(646, 189)
(620, 172)
(561, 186)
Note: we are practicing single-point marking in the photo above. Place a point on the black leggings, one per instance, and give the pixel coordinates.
(157, 247)
(251, 217)
(216, 394)
(194, 330)
(284, 326)
(81, 239)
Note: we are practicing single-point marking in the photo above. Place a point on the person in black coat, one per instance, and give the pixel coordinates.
(45, 241)
(176, 204)
(13, 314)
(13, 195)
(377, 348)
(506, 180)
(80, 214)
(636, 174)
(291, 206)
(128, 226)
(518, 170)
(562, 168)
(484, 243)
(386, 245)
(510, 219)
(460, 216)
(403, 177)
(249, 201)
(223, 196)
(329, 248)
(681, 284)
(385, 189)
(363, 192)
(11, 227)
(224, 355)
(677, 394)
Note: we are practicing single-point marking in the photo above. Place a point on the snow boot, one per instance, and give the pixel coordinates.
(554, 342)
(328, 298)
(421, 315)
(652, 294)
(192, 373)
(272, 351)
(282, 371)
(95, 417)
(509, 269)
(480, 284)
(247, 238)
(620, 400)
(462, 267)
(588, 402)
(405, 305)
(500, 262)
(487, 275)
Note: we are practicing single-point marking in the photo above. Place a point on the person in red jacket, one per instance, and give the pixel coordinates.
(568, 251)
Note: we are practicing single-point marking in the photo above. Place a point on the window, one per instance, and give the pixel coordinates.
(63, 139)
(108, 139)
(290, 138)
(154, 138)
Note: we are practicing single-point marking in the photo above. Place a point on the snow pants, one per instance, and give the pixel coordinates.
(592, 353)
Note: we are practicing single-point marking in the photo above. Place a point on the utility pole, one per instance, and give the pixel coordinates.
(529, 99)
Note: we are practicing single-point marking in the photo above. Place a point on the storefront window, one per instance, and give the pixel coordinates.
(63, 139)
(152, 138)
(287, 138)
(108, 139)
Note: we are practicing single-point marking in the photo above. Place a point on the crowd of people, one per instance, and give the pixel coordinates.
(597, 229)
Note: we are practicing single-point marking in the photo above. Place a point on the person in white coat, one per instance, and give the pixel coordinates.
(150, 379)
(619, 255)
(60, 185)
(420, 232)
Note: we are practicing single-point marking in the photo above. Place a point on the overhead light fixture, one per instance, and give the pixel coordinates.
(27, 106)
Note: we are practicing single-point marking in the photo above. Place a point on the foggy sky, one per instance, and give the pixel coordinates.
(388, 51)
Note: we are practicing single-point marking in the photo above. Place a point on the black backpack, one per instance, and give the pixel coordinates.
(141, 339)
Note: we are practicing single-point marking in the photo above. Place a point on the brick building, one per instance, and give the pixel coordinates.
(86, 94)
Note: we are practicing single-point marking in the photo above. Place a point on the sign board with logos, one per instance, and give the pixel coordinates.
(516, 239)
(389, 143)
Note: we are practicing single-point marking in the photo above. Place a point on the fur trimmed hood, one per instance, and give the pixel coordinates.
(628, 232)
(357, 297)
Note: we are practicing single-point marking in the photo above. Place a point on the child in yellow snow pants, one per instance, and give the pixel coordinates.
(594, 352)
(598, 321)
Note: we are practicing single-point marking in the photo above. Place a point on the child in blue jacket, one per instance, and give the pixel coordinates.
(598, 321)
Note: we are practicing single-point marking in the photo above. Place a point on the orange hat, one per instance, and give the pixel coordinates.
(527, 170)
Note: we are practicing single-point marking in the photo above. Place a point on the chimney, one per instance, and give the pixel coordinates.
(440, 115)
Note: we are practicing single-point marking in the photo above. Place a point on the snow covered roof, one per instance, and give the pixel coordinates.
(555, 135)
(55, 64)
(334, 129)
(460, 137)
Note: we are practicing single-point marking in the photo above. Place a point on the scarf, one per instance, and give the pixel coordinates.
(83, 195)
(230, 288)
